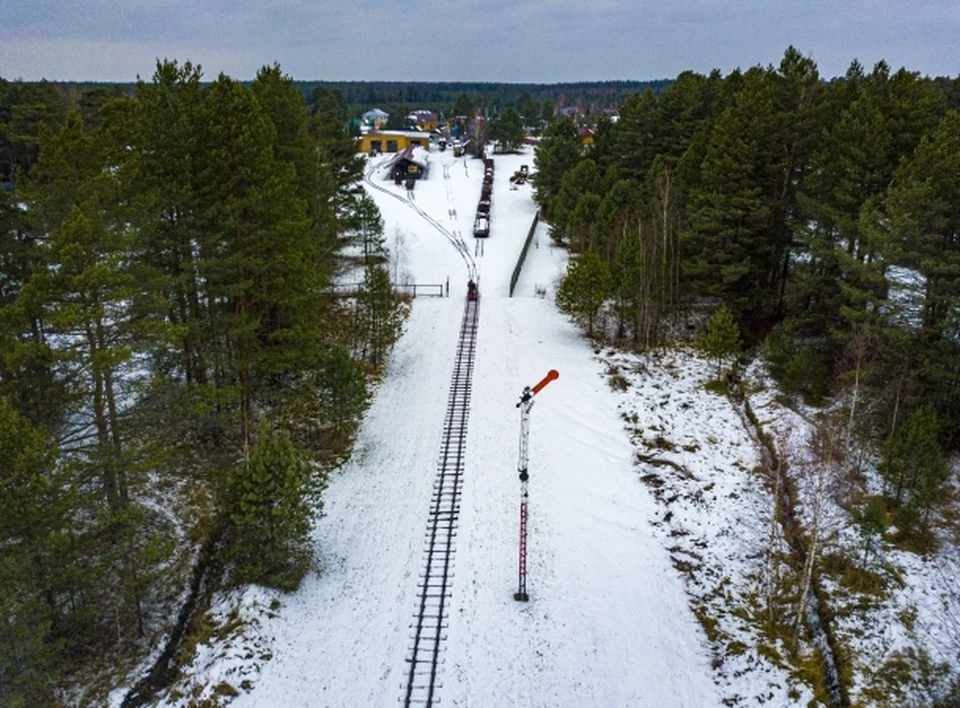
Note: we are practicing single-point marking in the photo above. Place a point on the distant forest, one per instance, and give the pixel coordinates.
(592, 96)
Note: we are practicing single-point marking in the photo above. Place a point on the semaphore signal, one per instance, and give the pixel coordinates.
(525, 404)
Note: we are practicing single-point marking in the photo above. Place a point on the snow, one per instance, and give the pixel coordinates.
(622, 550)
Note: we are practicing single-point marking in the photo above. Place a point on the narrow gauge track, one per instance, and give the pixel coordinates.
(430, 617)
(456, 240)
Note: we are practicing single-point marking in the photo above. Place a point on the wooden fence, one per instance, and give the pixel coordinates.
(411, 289)
(523, 253)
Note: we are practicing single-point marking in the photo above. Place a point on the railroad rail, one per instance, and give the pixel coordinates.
(455, 239)
(434, 584)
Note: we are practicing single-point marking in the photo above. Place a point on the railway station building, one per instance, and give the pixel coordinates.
(412, 163)
(378, 141)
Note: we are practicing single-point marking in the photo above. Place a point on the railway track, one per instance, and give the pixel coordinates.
(428, 629)
(455, 239)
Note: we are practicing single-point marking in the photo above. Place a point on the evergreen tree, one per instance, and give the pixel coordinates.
(580, 225)
(284, 105)
(530, 110)
(848, 171)
(722, 340)
(86, 290)
(463, 107)
(913, 468)
(343, 391)
(274, 496)
(338, 190)
(169, 145)
(379, 315)
(257, 260)
(558, 153)
(637, 131)
(922, 206)
(729, 249)
(34, 517)
(582, 180)
(32, 106)
(507, 130)
(370, 231)
(584, 289)
(619, 205)
(682, 109)
(626, 284)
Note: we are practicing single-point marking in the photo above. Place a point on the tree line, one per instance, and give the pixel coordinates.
(175, 374)
(821, 215)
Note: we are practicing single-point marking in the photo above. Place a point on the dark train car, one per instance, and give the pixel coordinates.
(481, 226)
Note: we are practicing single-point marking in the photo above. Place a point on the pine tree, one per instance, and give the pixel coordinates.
(380, 315)
(558, 153)
(338, 189)
(343, 392)
(913, 463)
(729, 249)
(369, 229)
(274, 497)
(257, 260)
(682, 109)
(922, 205)
(293, 145)
(580, 225)
(584, 289)
(169, 140)
(722, 340)
(582, 180)
(618, 206)
(34, 512)
(87, 290)
(507, 130)
(626, 283)
(637, 131)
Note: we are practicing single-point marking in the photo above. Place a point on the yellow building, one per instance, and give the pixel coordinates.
(392, 140)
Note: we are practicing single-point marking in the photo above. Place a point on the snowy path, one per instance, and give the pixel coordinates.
(607, 623)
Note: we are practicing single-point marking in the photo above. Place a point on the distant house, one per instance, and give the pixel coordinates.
(571, 112)
(377, 141)
(586, 136)
(612, 113)
(412, 163)
(376, 118)
(424, 120)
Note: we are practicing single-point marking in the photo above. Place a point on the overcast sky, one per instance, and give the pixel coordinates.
(540, 41)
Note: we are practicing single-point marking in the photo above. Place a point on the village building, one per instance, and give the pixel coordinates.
(375, 118)
(412, 163)
(377, 141)
(424, 120)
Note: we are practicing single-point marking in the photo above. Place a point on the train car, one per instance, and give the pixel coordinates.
(481, 226)
(472, 291)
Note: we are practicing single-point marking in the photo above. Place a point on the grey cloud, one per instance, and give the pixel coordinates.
(494, 40)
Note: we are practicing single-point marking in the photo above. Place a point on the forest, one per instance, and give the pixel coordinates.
(817, 223)
(176, 377)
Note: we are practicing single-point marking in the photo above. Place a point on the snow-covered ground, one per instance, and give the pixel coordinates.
(622, 552)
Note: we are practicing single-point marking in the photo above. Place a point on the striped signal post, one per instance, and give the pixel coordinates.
(525, 404)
